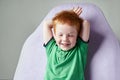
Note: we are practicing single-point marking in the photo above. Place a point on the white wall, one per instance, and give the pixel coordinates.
(19, 18)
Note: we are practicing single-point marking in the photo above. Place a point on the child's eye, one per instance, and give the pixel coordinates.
(70, 35)
(60, 35)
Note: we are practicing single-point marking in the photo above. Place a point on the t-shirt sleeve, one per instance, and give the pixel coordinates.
(49, 46)
(83, 46)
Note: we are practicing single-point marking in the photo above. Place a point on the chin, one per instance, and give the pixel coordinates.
(65, 49)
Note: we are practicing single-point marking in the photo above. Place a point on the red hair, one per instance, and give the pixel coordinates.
(68, 17)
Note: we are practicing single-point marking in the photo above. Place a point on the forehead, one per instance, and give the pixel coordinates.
(65, 28)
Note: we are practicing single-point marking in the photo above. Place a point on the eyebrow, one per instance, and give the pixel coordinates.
(72, 32)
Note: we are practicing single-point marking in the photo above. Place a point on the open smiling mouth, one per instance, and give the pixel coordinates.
(65, 44)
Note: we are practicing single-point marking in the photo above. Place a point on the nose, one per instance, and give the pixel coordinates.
(64, 38)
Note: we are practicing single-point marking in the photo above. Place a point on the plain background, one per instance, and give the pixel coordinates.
(19, 18)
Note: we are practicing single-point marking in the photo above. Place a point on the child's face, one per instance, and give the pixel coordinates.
(65, 36)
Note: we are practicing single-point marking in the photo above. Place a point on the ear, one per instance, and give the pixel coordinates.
(53, 31)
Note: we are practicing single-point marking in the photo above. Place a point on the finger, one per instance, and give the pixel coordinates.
(76, 9)
(79, 11)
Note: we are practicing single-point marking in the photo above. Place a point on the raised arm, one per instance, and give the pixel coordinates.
(47, 30)
(85, 30)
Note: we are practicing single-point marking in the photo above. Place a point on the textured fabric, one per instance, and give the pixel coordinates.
(66, 65)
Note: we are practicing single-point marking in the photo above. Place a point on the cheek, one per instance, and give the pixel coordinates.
(57, 39)
(73, 40)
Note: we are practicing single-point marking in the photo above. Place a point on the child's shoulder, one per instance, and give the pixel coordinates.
(51, 42)
(81, 41)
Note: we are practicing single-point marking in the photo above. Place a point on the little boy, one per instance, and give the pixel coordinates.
(65, 40)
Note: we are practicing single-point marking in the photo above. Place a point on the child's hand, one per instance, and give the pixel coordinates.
(48, 23)
(77, 10)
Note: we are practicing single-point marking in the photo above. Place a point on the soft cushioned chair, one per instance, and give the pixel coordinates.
(104, 49)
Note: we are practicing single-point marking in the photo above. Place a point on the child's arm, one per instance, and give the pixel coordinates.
(47, 31)
(85, 30)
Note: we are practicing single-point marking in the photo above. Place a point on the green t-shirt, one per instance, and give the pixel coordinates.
(66, 65)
